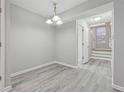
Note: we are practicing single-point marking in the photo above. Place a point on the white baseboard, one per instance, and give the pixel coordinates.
(68, 65)
(30, 69)
(40, 66)
(118, 87)
(6, 89)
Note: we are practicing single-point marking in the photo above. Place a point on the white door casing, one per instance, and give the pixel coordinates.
(86, 42)
(2, 40)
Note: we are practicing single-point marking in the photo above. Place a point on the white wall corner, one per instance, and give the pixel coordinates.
(6, 89)
(118, 87)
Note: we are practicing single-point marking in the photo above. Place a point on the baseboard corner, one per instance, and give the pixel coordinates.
(7, 89)
(117, 87)
(40, 66)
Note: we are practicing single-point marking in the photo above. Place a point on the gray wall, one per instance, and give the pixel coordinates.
(29, 41)
(66, 43)
(119, 44)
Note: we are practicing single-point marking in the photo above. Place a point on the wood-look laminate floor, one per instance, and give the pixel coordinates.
(92, 77)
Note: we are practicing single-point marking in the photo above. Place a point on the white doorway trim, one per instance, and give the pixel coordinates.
(2, 50)
(84, 15)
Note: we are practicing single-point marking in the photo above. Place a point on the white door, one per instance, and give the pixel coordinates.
(82, 29)
(80, 44)
(86, 42)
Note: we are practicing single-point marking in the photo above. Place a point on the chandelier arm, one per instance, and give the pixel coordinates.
(56, 19)
(54, 9)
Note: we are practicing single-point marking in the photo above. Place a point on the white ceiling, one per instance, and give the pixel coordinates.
(45, 7)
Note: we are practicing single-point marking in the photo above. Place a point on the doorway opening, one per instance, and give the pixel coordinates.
(95, 37)
(95, 45)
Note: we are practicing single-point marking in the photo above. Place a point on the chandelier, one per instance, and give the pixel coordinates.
(56, 20)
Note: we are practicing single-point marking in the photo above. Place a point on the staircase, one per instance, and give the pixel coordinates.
(101, 54)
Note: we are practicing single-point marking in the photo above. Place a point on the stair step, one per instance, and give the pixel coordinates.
(101, 52)
(100, 55)
(94, 57)
(102, 49)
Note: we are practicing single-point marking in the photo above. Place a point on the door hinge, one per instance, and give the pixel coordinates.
(0, 10)
(0, 44)
(0, 78)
